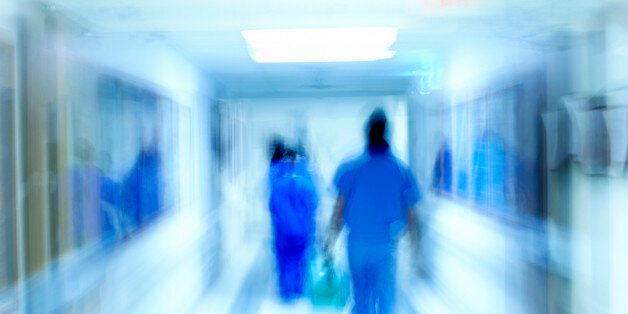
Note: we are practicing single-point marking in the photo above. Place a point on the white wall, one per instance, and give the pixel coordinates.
(157, 64)
(169, 251)
(7, 19)
(590, 209)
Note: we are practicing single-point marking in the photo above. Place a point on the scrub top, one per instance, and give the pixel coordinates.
(378, 189)
(293, 200)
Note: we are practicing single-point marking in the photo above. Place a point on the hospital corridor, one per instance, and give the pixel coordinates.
(322, 156)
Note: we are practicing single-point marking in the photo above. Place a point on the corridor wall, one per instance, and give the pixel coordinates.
(590, 207)
(478, 151)
(58, 66)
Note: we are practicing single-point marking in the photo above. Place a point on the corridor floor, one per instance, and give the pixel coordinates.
(257, 293)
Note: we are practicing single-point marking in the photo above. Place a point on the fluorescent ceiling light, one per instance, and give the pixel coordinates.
(321, 44)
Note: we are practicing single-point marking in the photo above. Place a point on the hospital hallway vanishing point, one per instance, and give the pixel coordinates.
(135, 135)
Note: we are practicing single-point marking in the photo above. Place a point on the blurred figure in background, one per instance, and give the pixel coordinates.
(90, 187)
(442, 173)
(141, 188)
(489, 171)
(293, 201)
(376, 195)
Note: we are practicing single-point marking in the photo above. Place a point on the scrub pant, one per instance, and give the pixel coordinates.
(292, 267)
(373, 275)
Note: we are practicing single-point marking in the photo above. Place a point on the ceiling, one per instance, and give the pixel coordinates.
(208, 32)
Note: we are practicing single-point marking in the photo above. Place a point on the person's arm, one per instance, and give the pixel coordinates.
(335, 225)
(412, 221)
(413, 227)
(411, 198)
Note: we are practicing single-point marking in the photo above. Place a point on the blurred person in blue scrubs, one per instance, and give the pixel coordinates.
(293, 202)
(442, 173)
(376, 198)
(92, 191)
(141, 187)
(489, 171)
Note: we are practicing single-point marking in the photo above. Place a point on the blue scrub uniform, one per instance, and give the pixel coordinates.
(377, 189)
(141, 189)
(293, 201)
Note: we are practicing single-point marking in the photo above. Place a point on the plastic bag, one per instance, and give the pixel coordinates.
(329, 286)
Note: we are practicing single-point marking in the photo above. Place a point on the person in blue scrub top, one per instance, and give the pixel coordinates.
(377, 194)
(141, 188)
(293, 201)
(442, 174)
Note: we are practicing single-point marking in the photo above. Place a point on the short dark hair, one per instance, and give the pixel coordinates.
(376, 126)
(277, 148)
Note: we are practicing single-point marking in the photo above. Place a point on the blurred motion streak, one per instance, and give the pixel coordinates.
(135, 172)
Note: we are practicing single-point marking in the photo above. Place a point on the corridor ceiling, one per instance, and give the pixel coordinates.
(208, 32)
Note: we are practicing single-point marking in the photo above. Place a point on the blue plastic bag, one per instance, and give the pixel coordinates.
(329, 285)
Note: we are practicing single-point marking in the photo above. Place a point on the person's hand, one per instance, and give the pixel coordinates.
(327, 250)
